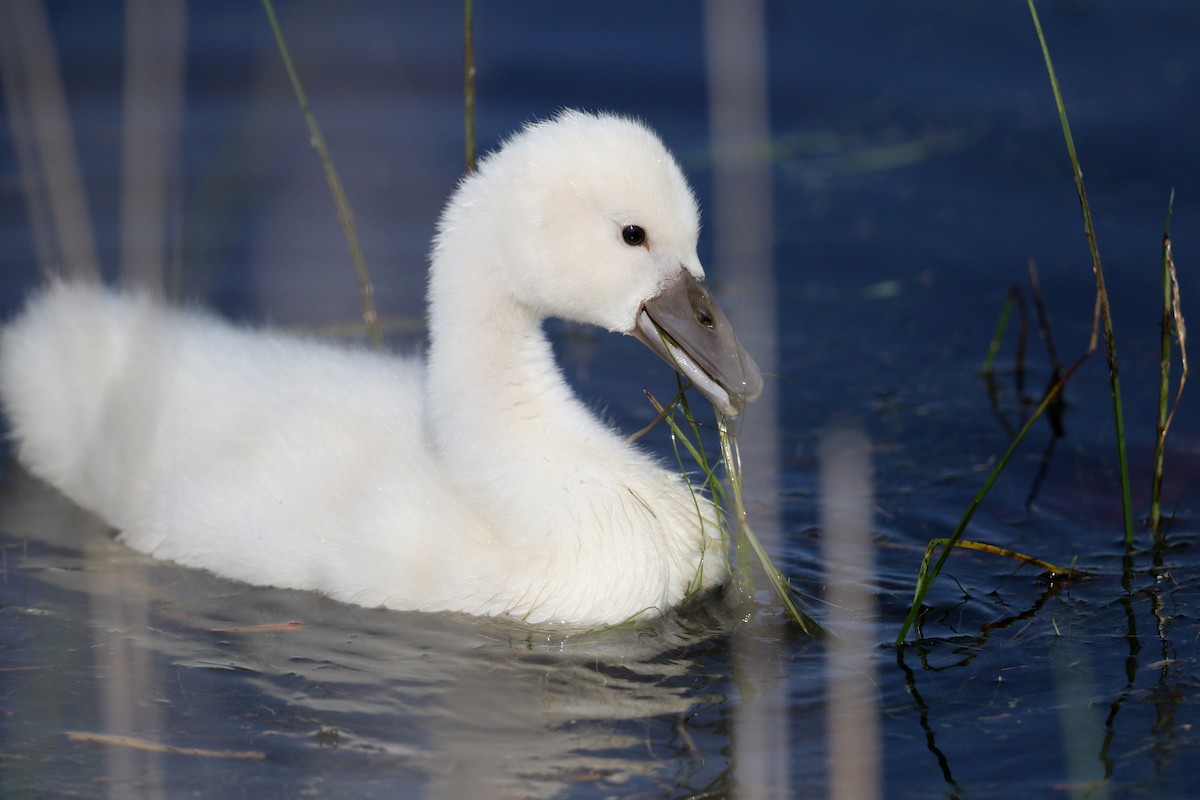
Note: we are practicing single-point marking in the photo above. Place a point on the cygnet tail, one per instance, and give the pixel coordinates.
(62, 360)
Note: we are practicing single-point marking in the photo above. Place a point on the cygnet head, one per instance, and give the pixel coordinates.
(589, 218)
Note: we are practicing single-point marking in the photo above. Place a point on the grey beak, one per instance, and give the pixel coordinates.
(688, 330)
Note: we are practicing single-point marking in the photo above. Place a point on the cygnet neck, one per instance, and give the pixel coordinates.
(500, 414)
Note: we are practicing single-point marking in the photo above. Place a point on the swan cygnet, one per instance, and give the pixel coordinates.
(471, 481)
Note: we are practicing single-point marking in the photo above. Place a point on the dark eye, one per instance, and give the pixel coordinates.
(634, 235)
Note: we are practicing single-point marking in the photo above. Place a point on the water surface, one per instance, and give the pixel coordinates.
(913, 164)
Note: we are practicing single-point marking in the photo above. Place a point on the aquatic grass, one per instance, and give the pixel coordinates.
(1051, 399)
(693, 444)
(1056, 408)
(1012, 299)
(746, 538)
(1173, 329)
(1101, 291)
(926, 578)
(345, 217)
(1172, 322)
(1050, 405)
(1015, 299)
(1053, 570)
(728, 505)
(1054, 411)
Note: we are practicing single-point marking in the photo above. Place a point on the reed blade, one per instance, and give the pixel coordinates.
(1101, 292)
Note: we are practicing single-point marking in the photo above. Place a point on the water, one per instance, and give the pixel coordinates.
(916, 164)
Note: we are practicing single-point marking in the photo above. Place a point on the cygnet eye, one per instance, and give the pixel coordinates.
(634, 235)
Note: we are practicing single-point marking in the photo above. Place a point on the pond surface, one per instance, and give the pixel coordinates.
(874, 177)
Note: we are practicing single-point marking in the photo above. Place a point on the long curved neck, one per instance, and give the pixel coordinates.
(539, 468)
(498, 411)
(490, 374)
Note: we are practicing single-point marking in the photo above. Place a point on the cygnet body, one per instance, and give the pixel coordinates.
(473, 480)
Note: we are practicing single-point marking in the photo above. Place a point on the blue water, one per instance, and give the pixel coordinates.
(916, 164)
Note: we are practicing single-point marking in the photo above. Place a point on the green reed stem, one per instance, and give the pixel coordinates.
(746, 535)
(1101, 291)
(925, 581)
(345, 217)
(729, 507)
(678, 437)
(989, 361)
(1172, 321)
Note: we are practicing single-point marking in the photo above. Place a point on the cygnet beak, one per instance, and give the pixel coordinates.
(688, 330)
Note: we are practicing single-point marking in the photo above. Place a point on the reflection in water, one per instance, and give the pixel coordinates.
(927, 725)
(1169, 692)
(126, 675)
(964, 649)
(448, 706)
(923, 717)
(170, 659)
(1093, 695)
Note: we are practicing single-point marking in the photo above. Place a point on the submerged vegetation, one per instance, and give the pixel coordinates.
(1173, 329)
(730, 509)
